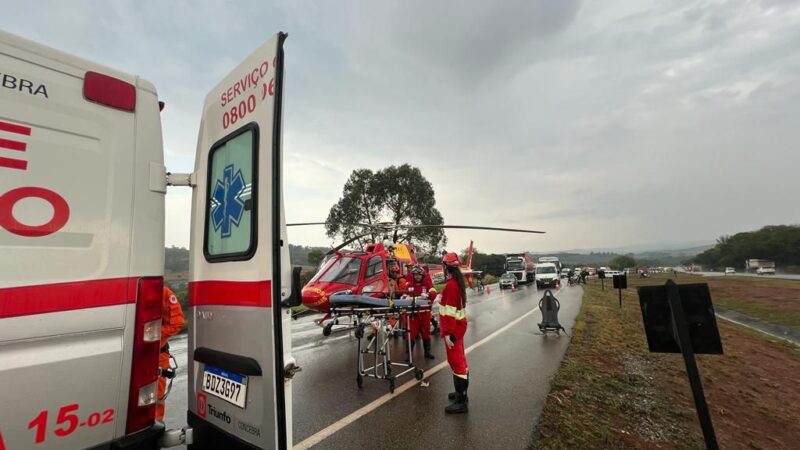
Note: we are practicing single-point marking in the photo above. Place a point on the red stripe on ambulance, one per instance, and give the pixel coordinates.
(12, 145)
(13, 128)
(13, 163)
(49, 298)
(230, 293)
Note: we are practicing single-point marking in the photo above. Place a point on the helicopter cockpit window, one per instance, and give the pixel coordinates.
(374, 267)
(344, 270)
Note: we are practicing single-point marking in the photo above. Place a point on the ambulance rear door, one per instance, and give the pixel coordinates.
(240, 271)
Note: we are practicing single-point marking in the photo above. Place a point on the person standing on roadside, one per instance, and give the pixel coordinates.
(171, 324)
(453, 327)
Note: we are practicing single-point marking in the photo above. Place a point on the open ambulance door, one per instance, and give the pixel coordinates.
(239, 264)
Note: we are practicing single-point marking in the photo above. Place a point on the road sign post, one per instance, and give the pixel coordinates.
(602, 275)
(620, 283)
(680, 319)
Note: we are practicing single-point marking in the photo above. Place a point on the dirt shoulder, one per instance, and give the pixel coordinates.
(610, 392)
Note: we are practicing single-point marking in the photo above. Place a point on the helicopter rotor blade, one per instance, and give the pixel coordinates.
(303, 224)
(386, 226)
(346, 243)
(471, 227)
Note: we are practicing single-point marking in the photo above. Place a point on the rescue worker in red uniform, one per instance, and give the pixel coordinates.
(453, 326)
(397, 287)
(398, 283)
(171, 324)
(421, 286)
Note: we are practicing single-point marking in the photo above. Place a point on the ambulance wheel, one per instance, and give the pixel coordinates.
(326, 331)
(391, 385)
(418, 374)
(359, 381)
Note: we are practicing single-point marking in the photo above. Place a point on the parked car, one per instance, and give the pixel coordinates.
(508, 280)
(730, 270)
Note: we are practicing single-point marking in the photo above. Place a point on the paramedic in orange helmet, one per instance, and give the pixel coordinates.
(453, 326)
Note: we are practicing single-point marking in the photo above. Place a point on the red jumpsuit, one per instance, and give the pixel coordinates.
(171, 324)
(453, 322)
(421, 322)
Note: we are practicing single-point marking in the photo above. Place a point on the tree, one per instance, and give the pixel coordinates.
(360, 203)
(622, 261)
(780, 243)
(399, 195)
(315, 257)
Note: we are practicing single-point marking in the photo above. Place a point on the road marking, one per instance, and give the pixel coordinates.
(776, 336)
(317, 344)
(331, 429)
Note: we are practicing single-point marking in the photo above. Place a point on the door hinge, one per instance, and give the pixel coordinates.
(182, 179)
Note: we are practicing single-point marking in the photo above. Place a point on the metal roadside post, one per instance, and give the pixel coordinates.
(620, 283)
(680, 319)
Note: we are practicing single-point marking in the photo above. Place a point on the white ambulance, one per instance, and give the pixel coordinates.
(82, 185)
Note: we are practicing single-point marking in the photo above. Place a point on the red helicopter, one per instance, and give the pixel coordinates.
(365, 272)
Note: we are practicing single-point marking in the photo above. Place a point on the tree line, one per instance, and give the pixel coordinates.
(779, 243)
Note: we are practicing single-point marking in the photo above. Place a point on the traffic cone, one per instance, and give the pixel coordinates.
(513, 288)
(488, 290)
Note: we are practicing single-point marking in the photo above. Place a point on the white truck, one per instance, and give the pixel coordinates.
(522, 266)
(551, 259)
(760, 266)
(82, 185)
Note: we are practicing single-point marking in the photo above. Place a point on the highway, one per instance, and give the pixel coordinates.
(510, 367)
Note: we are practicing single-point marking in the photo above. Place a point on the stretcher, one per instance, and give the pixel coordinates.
(375, 320)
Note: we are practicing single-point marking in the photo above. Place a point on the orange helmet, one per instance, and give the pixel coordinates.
(451, 259)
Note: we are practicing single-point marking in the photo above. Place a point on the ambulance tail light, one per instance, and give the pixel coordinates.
(146, 347)
(109, 91)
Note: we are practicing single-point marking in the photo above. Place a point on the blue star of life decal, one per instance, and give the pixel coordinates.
(227, 206)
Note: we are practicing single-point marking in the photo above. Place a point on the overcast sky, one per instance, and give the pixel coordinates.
(606, 124)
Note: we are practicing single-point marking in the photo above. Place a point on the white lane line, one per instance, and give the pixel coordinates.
(318, 343)
(366, 409)
(776, 336)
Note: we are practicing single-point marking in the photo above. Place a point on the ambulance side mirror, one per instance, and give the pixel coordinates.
(295, 291)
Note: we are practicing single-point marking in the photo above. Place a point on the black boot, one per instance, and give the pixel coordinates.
(459, 405)
(426, 344)
(452, 396)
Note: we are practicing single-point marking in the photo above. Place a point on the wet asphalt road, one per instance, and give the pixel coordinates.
(784, 276)
(510, 377)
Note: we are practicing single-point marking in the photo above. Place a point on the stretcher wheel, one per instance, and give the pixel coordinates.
(418, 374)
(391, 385)
(326, 331)
(359, 381)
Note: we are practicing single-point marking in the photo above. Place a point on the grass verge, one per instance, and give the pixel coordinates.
(610, 392)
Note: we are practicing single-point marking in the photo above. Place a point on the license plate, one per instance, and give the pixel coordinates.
(226, 385)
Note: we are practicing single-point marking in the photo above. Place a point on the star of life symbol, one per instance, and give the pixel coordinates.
(227, 204)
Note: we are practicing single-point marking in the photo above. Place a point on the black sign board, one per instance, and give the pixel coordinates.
(680, 319)
(620, 282)
(699, 313)
(601, 274)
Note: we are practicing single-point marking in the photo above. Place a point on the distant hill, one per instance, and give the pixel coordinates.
(779, 243)
(176, 259)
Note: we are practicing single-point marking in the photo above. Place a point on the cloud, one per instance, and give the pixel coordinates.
(602, 123)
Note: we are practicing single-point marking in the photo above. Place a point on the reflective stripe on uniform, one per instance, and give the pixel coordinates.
(451, 311)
